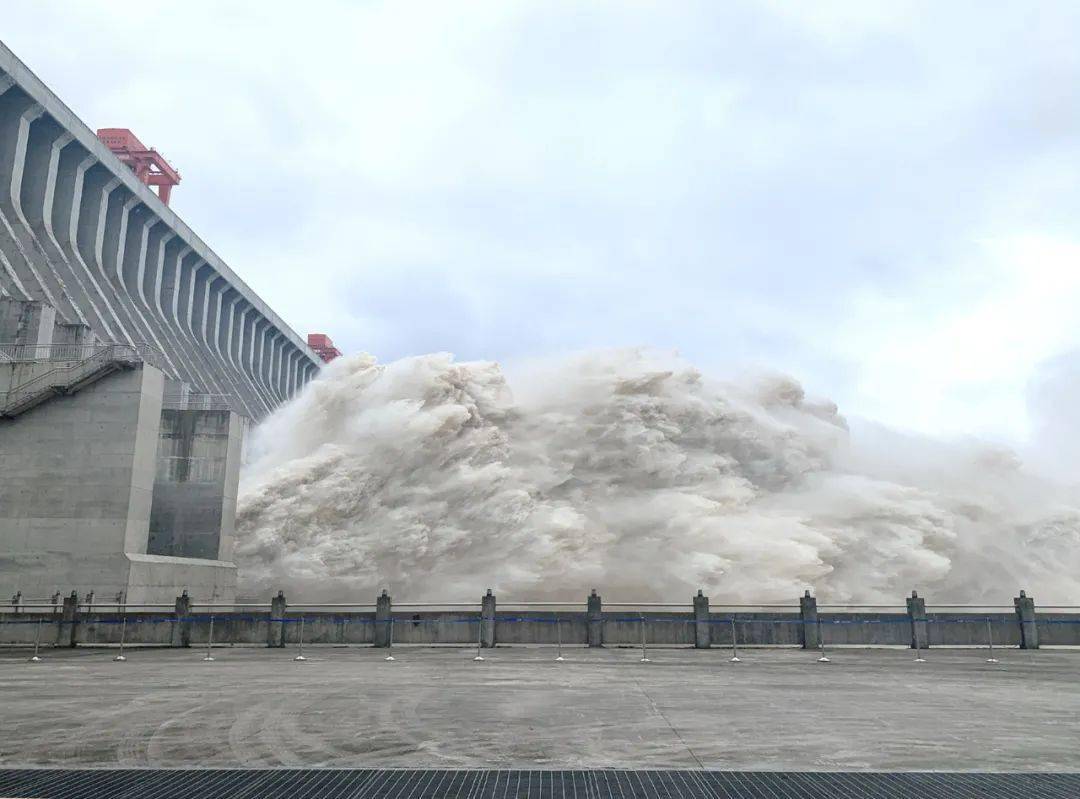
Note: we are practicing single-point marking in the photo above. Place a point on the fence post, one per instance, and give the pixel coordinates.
(383, 614)
(1025, 614)
(487, 620)
(702, 628)
(811, 637)
(67, 634)
(275, 628)
(916, 609)
(36, 658)
(300, 656)
(181, 629)
(594, 616)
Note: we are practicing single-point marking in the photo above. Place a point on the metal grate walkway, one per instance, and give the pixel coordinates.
(507, 784)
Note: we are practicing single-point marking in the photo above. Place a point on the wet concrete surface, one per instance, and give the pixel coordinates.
(348, 707)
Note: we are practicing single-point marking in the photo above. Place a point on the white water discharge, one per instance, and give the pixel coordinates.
(631, 472)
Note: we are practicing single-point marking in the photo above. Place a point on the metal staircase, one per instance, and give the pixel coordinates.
(78, 366)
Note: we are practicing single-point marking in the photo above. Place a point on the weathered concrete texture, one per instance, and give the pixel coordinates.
(778, 709)
(25, 320)
(277, 623)
(77, 481)
(152, 578)
(198, 471)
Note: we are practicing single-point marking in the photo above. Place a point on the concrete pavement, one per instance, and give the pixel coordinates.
(347, 707)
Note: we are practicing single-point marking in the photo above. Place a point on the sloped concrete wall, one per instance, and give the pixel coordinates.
(82, 237)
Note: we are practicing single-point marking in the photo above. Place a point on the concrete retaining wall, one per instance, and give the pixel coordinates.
(78, 490)
(538, 627)
(278, 625)
(198, 470)
(76, 481)
(952, 629)
(1057, 629)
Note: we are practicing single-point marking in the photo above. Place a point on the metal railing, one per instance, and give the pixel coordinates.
(93, 358)
(23, 353)
(177, 401)
(47, 352)
(63, 376)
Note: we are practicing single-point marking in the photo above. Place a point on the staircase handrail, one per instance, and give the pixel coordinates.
(23, 353)
(196, 402)
(127, 353)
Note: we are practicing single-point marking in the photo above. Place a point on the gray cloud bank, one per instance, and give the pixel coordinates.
(797, 185)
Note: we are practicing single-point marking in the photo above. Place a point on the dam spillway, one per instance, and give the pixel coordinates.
(132, 359)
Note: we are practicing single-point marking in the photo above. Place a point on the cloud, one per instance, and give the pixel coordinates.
(1053, 397)
(855, 193)
(963, 344)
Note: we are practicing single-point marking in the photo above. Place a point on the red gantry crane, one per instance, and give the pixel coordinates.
(147, 163)
(323, 346)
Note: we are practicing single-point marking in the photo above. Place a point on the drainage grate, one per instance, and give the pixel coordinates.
(511, 784)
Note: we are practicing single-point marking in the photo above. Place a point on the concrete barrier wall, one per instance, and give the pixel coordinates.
(436, 628)
(537, 627)
(76, 622)
(329, 628)
(21, 628)
(661, 629)
(137, 628)
(1058, 629)
(756, 629)
(461, 628)
(874, 629)
(970, 629)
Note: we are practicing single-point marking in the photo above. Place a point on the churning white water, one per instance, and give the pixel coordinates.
(631, 472)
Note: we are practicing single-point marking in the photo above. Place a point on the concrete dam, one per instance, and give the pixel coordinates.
(132, 360)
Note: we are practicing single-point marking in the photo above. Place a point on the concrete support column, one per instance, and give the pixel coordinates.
(487, 616)
(594, 615)
(916, 609)
(1025, 614)
(67, 630)
(275, 628)
(808, 614)
(702, 629)
(383, 614)
(181, 629)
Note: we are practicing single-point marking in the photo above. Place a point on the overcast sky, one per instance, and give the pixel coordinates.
(881, 199)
